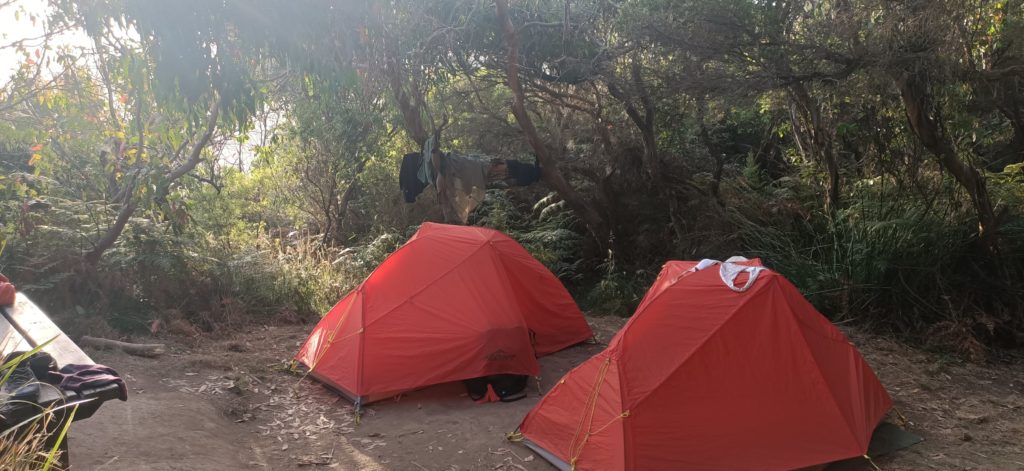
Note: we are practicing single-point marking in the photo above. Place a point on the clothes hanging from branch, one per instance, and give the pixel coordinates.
(523, 174)
(462, 185)
(461, 180)
(408, 176)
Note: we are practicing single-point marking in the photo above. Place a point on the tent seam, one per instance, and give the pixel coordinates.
(732, 315)
(821, 376)
(508, 280)
(362, 345)
(633, 318)
(505, 275)
(686, 274)
(627, 440)
(408, 243)
(424, 288)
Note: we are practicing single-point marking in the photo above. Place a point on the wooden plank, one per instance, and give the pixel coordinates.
(10, 339)
(37, 328)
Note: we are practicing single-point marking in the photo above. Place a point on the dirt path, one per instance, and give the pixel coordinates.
(971, 415)
(231, 405)
(159, 428)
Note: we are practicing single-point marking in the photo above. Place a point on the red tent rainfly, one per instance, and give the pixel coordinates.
(453, 303)
(722, 367)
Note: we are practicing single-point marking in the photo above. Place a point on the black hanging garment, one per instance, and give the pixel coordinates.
(523, 174)
(408, 179)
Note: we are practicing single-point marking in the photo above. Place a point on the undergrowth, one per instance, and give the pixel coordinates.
(33, 444)
(911, 265)
(553, 235)
(895, 257)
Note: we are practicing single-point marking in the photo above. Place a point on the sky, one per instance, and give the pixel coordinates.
(16, 24)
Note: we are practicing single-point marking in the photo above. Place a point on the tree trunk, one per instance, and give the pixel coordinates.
(412, 117)
(347, 196)
(645, 122)
(652, 160)
(196, 154)
(714, 150)
(816, 140)
(768, 157)
(920, 114)
(162, 190)
(551, 174)
(108, 239)
(1015, 115)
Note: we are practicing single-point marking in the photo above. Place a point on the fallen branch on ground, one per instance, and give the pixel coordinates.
(140, 349)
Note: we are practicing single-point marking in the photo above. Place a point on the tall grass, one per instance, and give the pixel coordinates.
(34, 444)
(192, 281)
(27, 450)
(911, 264)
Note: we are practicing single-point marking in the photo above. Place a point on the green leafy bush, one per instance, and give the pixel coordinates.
(911, 263)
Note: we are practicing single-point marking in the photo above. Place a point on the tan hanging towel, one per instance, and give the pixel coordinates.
(464, 182)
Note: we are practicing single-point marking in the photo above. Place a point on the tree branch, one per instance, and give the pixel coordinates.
(551, 174)
(197, 149)
(105, 243)
(105, 77)
(209, 181)
(128, 207)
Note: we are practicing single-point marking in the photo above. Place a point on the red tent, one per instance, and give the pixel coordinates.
(708, 375)
(453, 303)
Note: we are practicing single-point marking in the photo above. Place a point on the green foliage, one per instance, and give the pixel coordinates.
(892, 259)
(681, 129)
(616, 292)
(546, 230)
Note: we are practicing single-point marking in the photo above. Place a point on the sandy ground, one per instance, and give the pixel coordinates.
(230, 404)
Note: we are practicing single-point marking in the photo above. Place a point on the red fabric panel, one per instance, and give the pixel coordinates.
(716, 379)
(857, 391)
(749, 397)
(549, 310)
(554, 422)
(332, 351)
(453, 303)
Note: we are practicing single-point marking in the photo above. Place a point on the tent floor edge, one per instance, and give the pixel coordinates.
(551, 458)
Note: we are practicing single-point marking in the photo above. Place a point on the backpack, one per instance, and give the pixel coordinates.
(506, 387)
